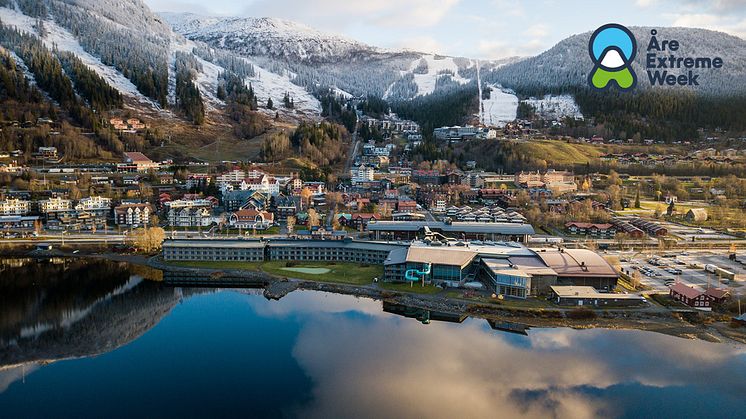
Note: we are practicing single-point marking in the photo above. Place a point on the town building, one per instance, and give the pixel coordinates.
(94, 203)
(54, 204)
(691, 296)
(595, 230)
(569, 295)
(134, 161)
(458, 133)
(510, 269)
(696, 215)
(132, 215)
(408, 230)
(361, 174)
(249, 219)
(14, 206)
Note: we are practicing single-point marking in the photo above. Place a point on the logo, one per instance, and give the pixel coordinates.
(612, 48)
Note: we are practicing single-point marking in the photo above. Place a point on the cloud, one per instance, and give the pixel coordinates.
(386, 366)
(729, 24)
(335, 13)
(538, 30)
(420, 44)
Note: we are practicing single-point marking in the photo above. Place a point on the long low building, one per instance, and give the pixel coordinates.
(253, 250)
(588, 296)
(506, 268)
(409, 230)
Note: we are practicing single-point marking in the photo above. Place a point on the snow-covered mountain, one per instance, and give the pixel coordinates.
(266, 36)
(319, 59)
(136, 51)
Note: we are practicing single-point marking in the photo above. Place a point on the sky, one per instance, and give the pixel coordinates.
(487, 29)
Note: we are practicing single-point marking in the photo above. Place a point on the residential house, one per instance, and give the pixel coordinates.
(362, 219)
(595, 230)
(251, 219)
(132, 215)
(696, 215)
(54, 204)
(691, 296)
(14, 207)
(361, 174)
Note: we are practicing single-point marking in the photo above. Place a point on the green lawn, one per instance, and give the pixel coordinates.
(413, 288)
(338, 272)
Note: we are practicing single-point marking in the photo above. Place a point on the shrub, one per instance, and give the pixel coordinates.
(581, 314)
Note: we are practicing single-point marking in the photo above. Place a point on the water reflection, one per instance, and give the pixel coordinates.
(324, 355)
(59, 309)
(378, 365)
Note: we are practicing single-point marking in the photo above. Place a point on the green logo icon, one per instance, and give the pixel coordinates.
(612, 48)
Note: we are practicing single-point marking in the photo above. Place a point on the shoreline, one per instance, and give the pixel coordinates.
(689, 325)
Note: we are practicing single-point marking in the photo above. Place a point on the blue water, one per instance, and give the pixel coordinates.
(147, 350)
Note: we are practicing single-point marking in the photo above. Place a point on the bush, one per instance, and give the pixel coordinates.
(581, 314)
(291, 263)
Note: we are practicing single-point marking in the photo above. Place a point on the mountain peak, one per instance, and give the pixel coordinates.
(265, 36)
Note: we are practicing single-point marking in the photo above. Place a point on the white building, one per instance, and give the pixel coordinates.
(132, 215)
(93, 203)
(191, 217)
(54, 204)
(14, 207)
(265, 184)
(464, 133)
(362, 174)
(229, 180)
(195, 179)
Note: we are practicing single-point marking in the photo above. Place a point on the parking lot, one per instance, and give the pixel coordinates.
(660, 270)
(689, 234)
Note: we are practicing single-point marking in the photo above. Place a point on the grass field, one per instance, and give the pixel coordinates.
(338, 272)
(343, 273)
(562, 153)
(415, 288)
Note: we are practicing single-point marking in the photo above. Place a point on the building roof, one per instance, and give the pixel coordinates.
(685, 290)
(522, 265)
(222, 244)
(577, 262)
(717, 293)
(137, 157)
(440, 255)
(599, 226)
(455, 227)
(574, 291)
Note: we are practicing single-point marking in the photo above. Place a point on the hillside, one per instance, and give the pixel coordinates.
(567, 64)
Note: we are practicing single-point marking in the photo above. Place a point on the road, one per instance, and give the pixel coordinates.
(351, 154)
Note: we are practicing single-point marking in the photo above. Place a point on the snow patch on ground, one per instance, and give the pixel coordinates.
(65, 41)
(267, 84)
(500, 108)
(426, 82)
(20, 64)
(207, 79)
(556, 107)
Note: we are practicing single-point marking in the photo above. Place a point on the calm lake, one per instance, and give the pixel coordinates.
(104, 340)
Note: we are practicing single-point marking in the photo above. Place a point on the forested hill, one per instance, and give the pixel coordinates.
(567, 64)
(668, 112)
